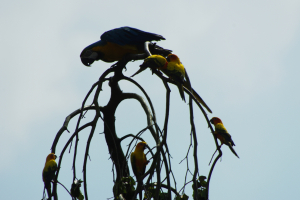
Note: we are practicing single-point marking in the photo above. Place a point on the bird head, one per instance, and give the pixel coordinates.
(173, 58)
(51, 156)
(88, 56)
(215, 120)
(91, 53)
(141, 146)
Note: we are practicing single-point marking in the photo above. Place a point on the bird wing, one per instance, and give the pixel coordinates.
(145, 163)
(226, 137)
(49, 171)
(133, 163)
(129, 36)
(176, 72)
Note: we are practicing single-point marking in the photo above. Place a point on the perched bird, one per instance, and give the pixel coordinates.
(138, 160)
(175, 70)
(117, 43)
(222, 134)
(49, 172)
(153, 62)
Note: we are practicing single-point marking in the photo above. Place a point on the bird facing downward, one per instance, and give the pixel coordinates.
(175, 70)
(222, 134)
(117, 43)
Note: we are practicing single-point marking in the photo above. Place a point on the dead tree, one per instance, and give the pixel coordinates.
(160, 155)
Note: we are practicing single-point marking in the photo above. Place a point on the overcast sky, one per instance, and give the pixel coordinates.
(242, 58)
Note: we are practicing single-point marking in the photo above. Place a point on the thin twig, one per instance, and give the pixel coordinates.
(64, 187)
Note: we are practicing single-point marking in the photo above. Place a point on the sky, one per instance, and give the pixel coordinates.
(242, 58)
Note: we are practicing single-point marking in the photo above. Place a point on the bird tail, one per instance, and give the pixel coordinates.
(233, 151)
(155, 49)
(188, 86)
(181, 91)
(48, 188)
(199, 99)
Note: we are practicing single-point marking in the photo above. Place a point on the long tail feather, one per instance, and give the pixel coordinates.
(233, 151)
(48, 188)
(187, 85)
(181, 91)
(200, 100)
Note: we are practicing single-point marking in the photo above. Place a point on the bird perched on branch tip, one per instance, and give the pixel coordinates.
(222, 134)
(174, 69)
(119, 42)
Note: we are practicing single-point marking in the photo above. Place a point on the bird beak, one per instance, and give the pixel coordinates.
(87, 62)
(88, 57)
(146, 146)
(55, 156)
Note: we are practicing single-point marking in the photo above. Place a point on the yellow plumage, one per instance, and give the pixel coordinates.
(49, 172)
(174, 69)
(138, 160)
(157, 61)
(222, 134)
(174, 66)
(114, 52)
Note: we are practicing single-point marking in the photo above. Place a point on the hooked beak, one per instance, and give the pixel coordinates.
(87, 61)
(88, 57)
(146, 146)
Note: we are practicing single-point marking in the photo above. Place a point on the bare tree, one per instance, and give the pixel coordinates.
(160, 155)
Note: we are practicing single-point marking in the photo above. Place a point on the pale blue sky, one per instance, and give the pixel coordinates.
(242, 58)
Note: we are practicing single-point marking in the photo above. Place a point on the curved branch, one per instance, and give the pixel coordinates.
(216, 142)
(131, 135)
(99, 84)
(149, 121)
(187, 164)
(156, 158)
(185, 185)
(61, 156)
(195, 146)
(65, 188)
(167, 187)
(153, 118)
(94, 123)
(212, 168)
(66, 123)
(143, 104)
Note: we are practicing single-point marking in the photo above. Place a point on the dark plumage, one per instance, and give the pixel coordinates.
(116, 43)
